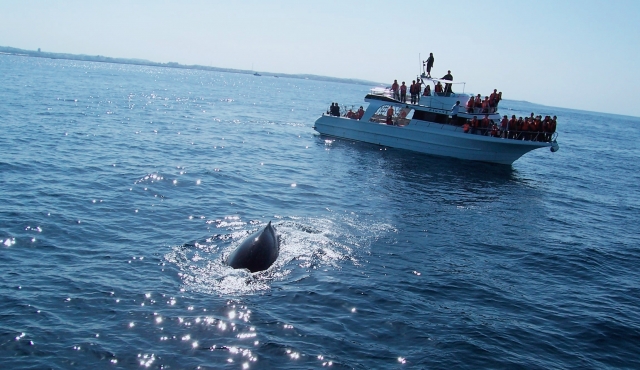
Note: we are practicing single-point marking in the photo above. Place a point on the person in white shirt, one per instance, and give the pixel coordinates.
(454, 113)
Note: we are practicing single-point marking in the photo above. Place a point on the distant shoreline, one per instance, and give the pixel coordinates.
(142, 62)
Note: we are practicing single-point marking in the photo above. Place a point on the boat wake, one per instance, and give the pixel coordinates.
(306, 244)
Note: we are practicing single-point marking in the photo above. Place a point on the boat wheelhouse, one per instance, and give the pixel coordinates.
(428, 127)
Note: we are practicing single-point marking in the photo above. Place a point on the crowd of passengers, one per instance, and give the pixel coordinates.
(474, 105)
(532, 128)
(488, 105)
(334, 110)
(399, 92)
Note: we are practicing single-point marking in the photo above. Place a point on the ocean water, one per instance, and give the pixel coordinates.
(123, 188)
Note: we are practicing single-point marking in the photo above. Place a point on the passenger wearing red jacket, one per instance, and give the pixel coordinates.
(470, 105)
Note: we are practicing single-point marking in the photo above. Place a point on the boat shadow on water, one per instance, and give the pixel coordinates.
(432, 178)
(415, 162)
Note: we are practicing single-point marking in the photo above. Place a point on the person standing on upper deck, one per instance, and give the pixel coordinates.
(403, 92)
(492, 100)
(447, 87)
(438, 89)
(396, 90)
(470, 104)
(414, 89)
(430, 61)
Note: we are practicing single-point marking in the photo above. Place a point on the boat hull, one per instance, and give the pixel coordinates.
(430, 138)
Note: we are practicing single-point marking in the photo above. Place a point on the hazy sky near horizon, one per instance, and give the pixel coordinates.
(564, 53)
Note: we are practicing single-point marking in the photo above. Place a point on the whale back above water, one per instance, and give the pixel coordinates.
(258, 252)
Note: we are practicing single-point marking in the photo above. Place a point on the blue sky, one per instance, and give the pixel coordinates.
(572, 54)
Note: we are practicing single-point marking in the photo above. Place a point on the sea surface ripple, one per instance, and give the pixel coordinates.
(123, 189)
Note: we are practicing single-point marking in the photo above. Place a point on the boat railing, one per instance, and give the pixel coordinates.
(344, 112)
(436, 104)
(434, 81)
(540, 136)
(395, 120)
(477, 110)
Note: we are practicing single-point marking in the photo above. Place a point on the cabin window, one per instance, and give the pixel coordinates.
(425, 116)
(402, 115)
(430, 117)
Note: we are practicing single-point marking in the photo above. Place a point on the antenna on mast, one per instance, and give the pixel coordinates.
(420, 69)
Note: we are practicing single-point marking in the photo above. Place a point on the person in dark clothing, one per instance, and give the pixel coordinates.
(447, 87)
(429, 64)
(335, 110)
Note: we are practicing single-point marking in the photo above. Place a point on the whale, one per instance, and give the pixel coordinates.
(258, 252)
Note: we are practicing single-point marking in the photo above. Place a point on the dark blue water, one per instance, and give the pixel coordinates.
(123, 188)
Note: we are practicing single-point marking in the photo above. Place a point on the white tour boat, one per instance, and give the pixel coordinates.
(426, 127)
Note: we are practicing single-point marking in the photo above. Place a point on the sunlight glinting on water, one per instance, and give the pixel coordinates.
(125, 189)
